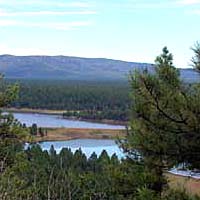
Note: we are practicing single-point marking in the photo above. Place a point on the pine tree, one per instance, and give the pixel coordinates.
(12, 134)
(159, 119)
(34, 129)
(196, 58)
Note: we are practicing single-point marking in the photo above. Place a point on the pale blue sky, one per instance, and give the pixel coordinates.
(132, 30)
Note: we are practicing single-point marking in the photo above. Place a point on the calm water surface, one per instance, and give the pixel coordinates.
(56, 121)
(88, 146)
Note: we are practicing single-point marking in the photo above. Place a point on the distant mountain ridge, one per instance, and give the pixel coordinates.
(75, 68)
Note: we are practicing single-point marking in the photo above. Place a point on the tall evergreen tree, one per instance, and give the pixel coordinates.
(164, 129)
(34, 129)
(12, 134)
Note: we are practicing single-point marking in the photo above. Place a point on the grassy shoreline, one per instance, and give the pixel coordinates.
(34, 111)
(62, 134)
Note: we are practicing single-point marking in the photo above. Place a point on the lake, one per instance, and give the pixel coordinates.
(56, 121)
(88, 146)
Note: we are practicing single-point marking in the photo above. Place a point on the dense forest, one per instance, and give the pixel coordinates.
(87, 100)
(37, 174)
(164, 132)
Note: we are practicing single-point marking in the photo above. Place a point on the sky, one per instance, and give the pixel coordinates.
(130, 30)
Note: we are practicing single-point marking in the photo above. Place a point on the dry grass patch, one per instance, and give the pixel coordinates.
(191, 185)
(60, 134)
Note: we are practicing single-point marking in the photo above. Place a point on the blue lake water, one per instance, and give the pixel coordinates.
(56, 121)
(88, 146)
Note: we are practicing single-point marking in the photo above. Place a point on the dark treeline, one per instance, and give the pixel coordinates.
(117, 115)
(104, 100)
(42, 175)
(38, 174)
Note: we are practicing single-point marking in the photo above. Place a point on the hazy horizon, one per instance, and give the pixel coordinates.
(128, 30)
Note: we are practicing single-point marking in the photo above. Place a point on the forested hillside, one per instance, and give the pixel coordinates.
(75, 68)
(87, 100)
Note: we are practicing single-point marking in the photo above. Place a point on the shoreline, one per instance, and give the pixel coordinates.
(34, 111)
(65, 134)
(60, 113)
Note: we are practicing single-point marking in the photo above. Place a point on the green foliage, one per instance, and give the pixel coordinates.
(8, 93)
(37, 174)
(33, 129)
(153, 117)
(196, 58)
(164, 129)
(146, 194)
(12, 134)
(83, 100)
(36, 131)
(118, 115)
